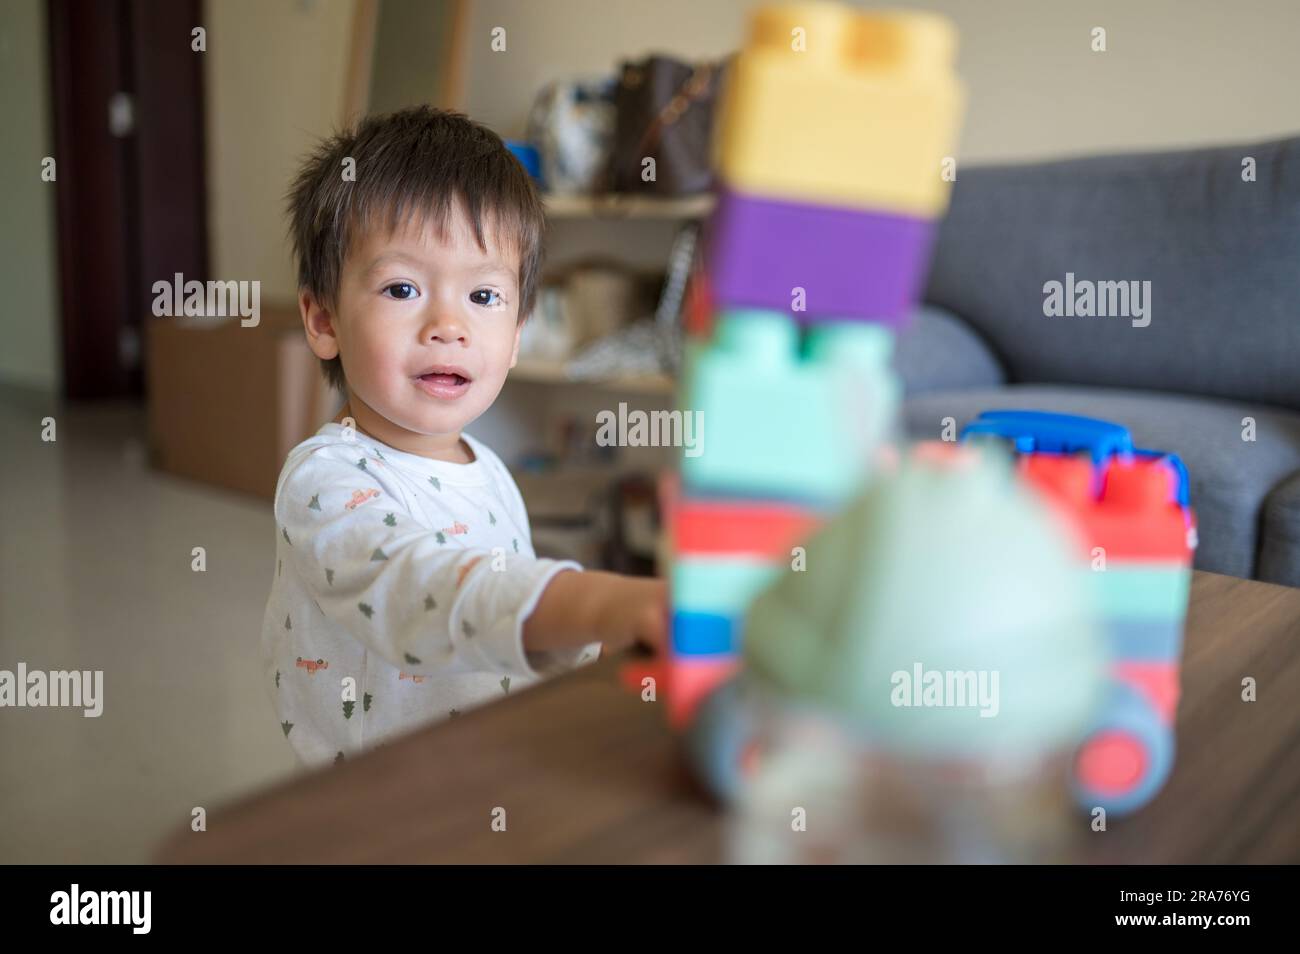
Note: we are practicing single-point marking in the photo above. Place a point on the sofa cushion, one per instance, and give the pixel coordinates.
(1230, 477)
(1220, 253)
(937, 351)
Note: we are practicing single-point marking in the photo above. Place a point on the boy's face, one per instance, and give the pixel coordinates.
(426, 330)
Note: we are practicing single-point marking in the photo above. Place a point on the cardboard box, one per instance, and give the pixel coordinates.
(227, 403)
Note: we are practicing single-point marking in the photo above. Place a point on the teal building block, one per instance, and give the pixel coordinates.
(785, 417)
(1141, 591)
(721, 586)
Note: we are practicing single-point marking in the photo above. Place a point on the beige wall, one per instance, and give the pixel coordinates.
(275, 73)
(1177, 72)
(412, 40)
(29, 316)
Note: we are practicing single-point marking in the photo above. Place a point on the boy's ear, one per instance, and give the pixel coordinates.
(319, 325)
(514, 355)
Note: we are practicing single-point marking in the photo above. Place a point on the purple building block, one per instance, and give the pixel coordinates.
(853, 264)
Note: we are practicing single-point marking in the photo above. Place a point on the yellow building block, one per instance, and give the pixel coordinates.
(829, 104)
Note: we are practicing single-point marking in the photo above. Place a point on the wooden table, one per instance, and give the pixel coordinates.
(587, 772)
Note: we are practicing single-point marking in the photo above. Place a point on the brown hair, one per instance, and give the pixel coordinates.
(414, 163)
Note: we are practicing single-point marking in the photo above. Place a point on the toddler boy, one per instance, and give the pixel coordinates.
(404, 559)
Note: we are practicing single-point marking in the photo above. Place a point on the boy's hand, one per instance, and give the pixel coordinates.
(616, 610)
(635, 612)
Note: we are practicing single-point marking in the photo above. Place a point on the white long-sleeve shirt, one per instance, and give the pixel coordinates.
(400, 590)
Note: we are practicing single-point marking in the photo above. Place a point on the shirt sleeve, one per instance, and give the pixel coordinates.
(555, 659)
(405, 591)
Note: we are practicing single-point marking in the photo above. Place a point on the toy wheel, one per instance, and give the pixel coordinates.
(722, 740)
(1126, 760)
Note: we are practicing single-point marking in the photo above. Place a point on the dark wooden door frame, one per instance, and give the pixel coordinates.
(86, 60)
(131, 210)
(170, 144)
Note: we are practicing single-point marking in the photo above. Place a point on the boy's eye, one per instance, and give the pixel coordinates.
(401, 291)
(484, 296)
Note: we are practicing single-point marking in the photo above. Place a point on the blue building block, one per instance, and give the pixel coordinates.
(1046, 432)
(704, 634)
(1038, 431)
(1146, 640)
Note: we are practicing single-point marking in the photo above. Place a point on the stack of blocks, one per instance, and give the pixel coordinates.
(1137, 534)
(830, 147)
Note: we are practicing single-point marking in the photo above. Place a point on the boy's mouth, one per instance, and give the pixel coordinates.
(444, 381)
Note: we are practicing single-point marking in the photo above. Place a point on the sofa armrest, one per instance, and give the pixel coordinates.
(937, 351)
(1279, 543)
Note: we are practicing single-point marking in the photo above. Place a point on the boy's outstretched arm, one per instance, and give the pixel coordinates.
(398, 587)
(595, 606)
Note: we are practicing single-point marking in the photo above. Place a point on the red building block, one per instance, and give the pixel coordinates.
(698, 320)
(732, 527)
(690, 679)
(739, 528)
(1134, 517)
(681, 682)
(1156, 680)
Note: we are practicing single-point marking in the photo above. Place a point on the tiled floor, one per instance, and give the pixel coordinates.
(95, 573)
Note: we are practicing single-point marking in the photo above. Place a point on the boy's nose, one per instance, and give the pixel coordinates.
(446, 328)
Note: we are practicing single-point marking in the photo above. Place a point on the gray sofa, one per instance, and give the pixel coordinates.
(1222, 344)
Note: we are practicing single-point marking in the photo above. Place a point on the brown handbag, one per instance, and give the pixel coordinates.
(664, 112)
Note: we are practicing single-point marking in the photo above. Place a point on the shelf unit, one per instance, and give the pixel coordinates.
(538, 371)
(611, 207)
(574, 487)
(620, 206)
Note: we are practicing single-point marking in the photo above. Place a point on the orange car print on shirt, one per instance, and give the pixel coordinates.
(359, 497)
(411, 676)
(311, 665)
(464, 571)
(455, 529)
